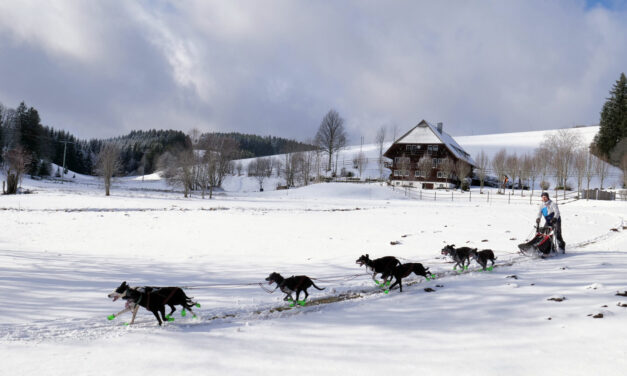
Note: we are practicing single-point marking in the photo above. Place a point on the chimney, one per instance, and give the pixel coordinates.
(440, 127)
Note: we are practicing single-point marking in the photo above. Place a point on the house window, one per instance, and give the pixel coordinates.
(397, 173)
(412, 149)
(406, 173)
(436, 162)
(441, 175)
(420, 174)
(432, 148)
(401, 160)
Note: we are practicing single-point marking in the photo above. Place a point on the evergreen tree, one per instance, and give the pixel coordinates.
(613, 125)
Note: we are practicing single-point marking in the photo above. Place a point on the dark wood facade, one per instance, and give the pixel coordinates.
(406, 168)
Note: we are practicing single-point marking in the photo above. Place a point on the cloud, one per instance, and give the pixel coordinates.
(277, 67)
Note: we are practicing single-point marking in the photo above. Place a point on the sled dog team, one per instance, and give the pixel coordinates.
(155, 299)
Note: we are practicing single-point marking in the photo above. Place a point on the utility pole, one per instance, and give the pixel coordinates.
(65, 142)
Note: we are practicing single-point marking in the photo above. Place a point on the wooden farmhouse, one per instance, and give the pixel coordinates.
(427, 157)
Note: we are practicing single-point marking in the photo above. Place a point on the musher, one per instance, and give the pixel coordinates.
(552, 218)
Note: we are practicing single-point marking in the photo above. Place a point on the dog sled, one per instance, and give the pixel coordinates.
(542, 245)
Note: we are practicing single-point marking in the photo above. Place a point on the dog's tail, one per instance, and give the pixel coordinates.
(314, 285)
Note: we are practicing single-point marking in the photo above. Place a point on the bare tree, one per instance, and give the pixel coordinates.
(108, 164)
(562, 145)
(276, 165)
(512, 167)
(306, 165)
(331, 136)
(194, 135)
(623, 167)
(404, 165)
(184, 170)
(525, 171)
(462, 169)
(535, 163)
(239, 167)
(380, 140)
(447, 168)
(223, 150)
(15, 162)
(259, 169)
(602, 170)
(580, 160)
(290, 169)
(498, 165)
(590, 169)
(359, 161)
(482, 161)
(424, 166)
(542, 158)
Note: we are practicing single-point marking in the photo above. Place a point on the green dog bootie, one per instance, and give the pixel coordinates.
(183, 313)
(110, 317)
(197, 305)
(302, 303)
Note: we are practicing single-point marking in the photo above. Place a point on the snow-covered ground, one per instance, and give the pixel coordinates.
(64, 247)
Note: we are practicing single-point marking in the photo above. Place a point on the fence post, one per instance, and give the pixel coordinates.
(421, 195)
(530, 196)
(470, 196)
(509, 196)
(451, 195)
(435, 195)
(488, 197)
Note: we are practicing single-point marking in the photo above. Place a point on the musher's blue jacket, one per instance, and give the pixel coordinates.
(549, 210)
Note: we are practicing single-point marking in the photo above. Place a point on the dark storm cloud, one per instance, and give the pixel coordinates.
(278, 67)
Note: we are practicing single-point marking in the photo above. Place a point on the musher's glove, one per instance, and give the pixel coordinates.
(553, 221)
(538, 220)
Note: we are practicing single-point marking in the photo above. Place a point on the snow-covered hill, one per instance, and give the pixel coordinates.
(64, 247)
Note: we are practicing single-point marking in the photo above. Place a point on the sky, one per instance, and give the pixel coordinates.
(103, 68)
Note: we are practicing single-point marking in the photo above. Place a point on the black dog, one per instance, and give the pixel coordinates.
(384, 266)
(461, 255)
(404, 270)
(292, 284)
(154, 299)
(482, 257)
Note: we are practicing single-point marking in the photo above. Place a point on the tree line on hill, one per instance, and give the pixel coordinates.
(28, 147)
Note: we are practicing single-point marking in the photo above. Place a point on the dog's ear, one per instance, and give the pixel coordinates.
(367, 255)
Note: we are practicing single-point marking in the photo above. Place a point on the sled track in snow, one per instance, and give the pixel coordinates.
(94, 328)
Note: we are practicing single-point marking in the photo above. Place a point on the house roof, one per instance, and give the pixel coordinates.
(427, 133)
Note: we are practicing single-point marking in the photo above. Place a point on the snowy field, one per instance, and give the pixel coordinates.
(66, 246)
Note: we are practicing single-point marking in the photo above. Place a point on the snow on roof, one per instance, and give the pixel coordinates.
(424, 132)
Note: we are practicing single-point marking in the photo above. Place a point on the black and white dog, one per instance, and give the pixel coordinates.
(482, 257)
(292, 284)
(384, 266)
(152, 298)
(404, 270)
(461, 255)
